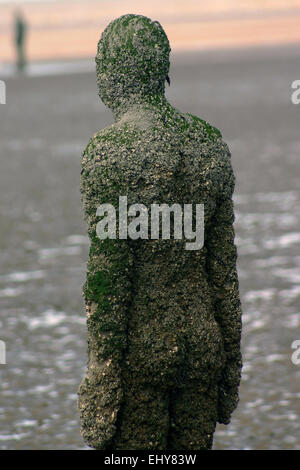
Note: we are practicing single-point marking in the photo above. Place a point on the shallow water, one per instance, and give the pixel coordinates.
(44, 127)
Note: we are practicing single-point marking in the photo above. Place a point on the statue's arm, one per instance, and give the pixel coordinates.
(223, 278)
(107, 294)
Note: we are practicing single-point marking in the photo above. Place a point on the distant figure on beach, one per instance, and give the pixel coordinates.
(164, 321)
(20, 40)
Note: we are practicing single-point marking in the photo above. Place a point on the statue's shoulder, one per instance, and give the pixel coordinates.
(210, 133)
(215, 148)
(198, 124)
(109, 162)
(110, 143)
(98, 146)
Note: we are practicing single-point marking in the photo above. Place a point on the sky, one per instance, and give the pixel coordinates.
(70, 29)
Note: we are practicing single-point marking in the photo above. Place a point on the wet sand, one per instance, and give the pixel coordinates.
(45, 125)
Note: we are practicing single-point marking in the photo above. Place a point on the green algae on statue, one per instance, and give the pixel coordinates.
(164, 323)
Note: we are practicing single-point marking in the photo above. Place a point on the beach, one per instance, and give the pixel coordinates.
(45, 126)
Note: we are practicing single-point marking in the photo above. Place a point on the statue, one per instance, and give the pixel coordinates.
(164, 322)
(20, 39)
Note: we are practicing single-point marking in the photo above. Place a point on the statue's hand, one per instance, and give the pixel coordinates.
(228, 390)
(99, 399)
(227, 403)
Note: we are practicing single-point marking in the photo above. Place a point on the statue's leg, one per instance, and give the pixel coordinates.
(143, 420)
(193, 417)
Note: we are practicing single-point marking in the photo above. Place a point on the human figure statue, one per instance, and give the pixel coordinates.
(164, 322)
(20, 39)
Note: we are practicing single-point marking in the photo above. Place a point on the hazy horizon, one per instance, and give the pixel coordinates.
(54, 33)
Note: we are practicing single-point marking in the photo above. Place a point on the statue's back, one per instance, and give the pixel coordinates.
(166, 157)
(164, 321)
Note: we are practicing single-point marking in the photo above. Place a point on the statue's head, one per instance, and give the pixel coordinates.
(132, 60)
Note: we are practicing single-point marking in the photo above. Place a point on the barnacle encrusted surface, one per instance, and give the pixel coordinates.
(164, 323)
